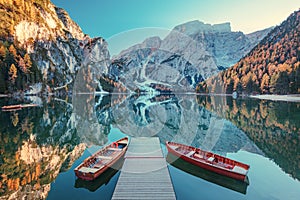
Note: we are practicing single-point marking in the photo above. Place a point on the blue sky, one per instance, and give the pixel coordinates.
(109, 17)
(124, 23)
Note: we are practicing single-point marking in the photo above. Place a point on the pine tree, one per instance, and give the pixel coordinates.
(2, 51)
(2, 83)
(13, 50)
(264, 86)
(22, 65)
(13, 73)
(27, 61)
(229, 86)
(282, 85)
(15, 119)
(9, 58)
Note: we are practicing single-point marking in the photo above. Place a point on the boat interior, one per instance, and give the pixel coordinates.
(211, 158)
(103, 157)
(224, 181)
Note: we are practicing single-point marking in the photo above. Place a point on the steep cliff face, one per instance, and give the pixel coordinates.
(57, 46)
(191, 52)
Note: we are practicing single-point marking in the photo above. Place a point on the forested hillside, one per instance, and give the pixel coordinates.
(273, 66)
(41, 47)
(17, 70)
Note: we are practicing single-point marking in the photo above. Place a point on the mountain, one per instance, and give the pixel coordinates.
(53, 50)
(190, 53)
(41, 45)
(273, 66)
(226, 46)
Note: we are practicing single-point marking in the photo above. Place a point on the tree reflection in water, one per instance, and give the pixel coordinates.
(273, 126)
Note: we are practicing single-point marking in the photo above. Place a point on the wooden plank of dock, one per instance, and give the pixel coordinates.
(144, 174)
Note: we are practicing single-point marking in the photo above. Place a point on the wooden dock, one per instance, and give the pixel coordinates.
(145, 174)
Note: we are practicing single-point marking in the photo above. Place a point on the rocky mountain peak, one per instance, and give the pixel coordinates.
(148, 43)
(191, 52)
(153, 42)
(48, 23)
(196, 26)
(69, 24)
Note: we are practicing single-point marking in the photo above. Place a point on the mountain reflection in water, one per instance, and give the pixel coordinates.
(273, 126)
(37, 144)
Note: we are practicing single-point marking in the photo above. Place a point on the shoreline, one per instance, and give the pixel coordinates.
(273, 97)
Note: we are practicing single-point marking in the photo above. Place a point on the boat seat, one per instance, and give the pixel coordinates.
(190, 153)
(98, 165)
(239, 170)
(197, 155)
(175, 147)
(87, 170)
(104, 157)
(211, 159)
(114, 149)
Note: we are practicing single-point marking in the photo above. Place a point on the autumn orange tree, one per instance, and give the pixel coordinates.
(17, 70)
(12, 73)
(271, 67)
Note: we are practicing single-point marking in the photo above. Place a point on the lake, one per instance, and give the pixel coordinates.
(40, 146)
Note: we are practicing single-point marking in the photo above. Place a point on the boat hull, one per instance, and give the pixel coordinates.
(207, 166)
(89, 176)
(11, 108)
(93, 176)
(224, 181)
(102, 179)
(17, 107)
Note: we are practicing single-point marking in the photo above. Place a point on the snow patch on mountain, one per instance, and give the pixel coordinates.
(190, 53)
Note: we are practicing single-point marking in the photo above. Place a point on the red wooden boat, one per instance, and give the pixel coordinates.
(209, 161)
(17, 107)
(12, 107)
(99, 162)
(103, 179)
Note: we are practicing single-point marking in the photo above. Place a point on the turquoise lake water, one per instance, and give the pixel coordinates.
(40, 146)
